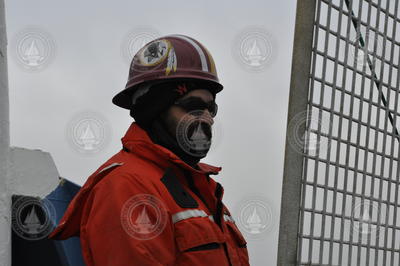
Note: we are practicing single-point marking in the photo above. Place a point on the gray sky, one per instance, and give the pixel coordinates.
(87, 69)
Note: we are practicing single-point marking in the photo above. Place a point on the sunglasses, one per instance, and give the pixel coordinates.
(195, 104)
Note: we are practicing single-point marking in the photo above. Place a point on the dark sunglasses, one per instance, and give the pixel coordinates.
(195, 104)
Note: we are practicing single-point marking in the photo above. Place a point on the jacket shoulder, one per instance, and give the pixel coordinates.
(128, 176)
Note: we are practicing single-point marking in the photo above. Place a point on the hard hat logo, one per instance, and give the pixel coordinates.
(154, 53)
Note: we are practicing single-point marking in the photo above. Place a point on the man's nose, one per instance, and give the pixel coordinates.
(208, 117)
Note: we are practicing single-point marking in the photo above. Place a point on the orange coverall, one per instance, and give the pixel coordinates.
(195, 227)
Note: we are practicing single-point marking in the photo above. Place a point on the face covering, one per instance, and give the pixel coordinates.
(160, 135)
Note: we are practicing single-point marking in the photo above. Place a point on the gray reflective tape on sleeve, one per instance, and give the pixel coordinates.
(228, 218)
(188, 214)
(197, 213)
(110, 166)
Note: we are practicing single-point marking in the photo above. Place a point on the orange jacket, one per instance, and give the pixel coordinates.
(140, 208)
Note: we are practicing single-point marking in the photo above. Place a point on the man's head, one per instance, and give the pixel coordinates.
(171, 92)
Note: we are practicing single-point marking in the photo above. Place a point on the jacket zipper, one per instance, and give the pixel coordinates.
(218, 212)
(218, 216)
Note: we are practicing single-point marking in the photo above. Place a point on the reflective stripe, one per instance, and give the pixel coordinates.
(228, 218)
(187, 214)
(198, 49)
(197, 213)
(110, 166)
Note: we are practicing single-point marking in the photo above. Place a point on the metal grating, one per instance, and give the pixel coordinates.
(349, 191)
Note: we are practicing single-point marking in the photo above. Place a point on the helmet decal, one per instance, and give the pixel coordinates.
(172, 61)
(212, 63)
(154, 53)
(198, 49)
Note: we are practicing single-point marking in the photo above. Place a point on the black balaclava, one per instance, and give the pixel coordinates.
(160, 135)
(152, 101)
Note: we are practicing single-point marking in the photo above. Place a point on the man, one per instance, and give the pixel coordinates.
(154, 203)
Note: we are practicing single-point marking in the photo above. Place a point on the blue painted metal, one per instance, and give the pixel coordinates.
(70, 249)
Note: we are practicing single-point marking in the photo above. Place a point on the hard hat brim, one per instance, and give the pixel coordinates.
(124, 98)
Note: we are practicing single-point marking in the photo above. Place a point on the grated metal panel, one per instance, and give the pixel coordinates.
(349, 202)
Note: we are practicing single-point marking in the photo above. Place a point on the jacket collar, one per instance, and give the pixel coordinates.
(137, 141)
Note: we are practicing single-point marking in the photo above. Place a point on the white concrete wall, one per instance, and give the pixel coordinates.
(31, 173)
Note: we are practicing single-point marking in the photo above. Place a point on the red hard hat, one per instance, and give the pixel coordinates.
(167, 58)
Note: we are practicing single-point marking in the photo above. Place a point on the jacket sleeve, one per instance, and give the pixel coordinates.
(109, 238)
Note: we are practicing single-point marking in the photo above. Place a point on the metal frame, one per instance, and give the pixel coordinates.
(299, 84)
(327, 194)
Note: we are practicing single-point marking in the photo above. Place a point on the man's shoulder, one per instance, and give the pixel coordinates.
(129, 169)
